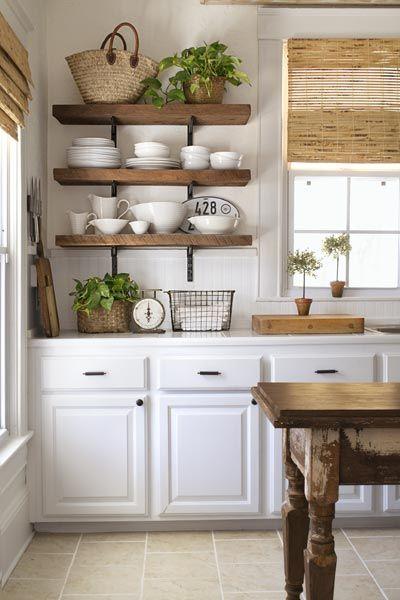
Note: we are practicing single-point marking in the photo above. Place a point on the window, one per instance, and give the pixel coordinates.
(366, 206)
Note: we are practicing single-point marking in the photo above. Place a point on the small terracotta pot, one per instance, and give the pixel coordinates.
(337, 288)
(204, 96)
(303, 306)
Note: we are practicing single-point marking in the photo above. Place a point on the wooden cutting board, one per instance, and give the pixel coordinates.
(47, 298)
(313, 324)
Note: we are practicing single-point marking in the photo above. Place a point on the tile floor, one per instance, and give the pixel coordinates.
(245, 565)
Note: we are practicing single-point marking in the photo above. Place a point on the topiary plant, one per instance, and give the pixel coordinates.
(337, 246)
(304, 262)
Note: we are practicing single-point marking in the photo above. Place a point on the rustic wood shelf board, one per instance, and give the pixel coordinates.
(294, 324)
(145, 114)
(149, 240)
(172, 177)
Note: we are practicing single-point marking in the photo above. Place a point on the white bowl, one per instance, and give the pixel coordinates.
(214, 224)
(152, 152)
(195, 150)
(139, 227)
(229, 155)
(109, 226)
(195, 163)
(224, 162)
(164, 217)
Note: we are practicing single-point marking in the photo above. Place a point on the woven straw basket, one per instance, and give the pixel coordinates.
(117, 320)
(202, 95)
(109, 76)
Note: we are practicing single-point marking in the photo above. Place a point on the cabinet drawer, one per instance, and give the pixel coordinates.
(323, 368)
(209, 373)
(93, 373)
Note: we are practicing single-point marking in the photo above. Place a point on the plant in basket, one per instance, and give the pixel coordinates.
(306, 263)
(337, 246)
(200, 77)
(104, 305)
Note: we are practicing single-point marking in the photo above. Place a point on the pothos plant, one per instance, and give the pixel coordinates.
(96, 292)
(196, 66)
(337, 246)
(304, 262)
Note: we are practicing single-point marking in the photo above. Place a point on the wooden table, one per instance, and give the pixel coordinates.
(334, 434)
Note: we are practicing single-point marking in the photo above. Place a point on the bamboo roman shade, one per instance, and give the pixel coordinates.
(344, 100)
(15, 80)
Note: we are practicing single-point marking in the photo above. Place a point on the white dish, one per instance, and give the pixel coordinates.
(229, 155)
(195, 163)
(109, 226)
(164, 217)
(139, 227)
(92, 141)
(216, 224)
(225, 162)
(149, 144)
(152, 152)
(92, 164)
(195, 150)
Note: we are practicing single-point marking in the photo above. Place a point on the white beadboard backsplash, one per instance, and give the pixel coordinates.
(233, 269)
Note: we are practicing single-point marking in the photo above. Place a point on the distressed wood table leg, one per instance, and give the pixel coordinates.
(295, 525)
(322, 490)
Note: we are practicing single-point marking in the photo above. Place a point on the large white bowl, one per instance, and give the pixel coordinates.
(214, 224)
(152, 152)
(109, 226)
(164, 217)
(195, 163)
(222, 160)
(195, 150)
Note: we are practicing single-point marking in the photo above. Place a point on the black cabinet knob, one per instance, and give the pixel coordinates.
(139, 402)
(254, 402)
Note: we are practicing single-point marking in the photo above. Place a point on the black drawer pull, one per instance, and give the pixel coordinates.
(208, 373)
(326, 371)
(139, 402)
(94, 373)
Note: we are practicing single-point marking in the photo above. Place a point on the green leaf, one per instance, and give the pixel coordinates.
(176, 95)
(107, 303)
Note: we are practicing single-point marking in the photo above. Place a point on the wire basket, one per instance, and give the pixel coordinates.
(201, 310)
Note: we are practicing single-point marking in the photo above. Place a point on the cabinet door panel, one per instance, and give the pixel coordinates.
(209, 455)
(94, 456)
(391, 374)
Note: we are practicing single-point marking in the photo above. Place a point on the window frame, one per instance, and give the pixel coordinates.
(336, 170)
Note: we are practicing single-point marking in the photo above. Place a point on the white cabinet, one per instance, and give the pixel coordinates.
(94, 455)
(209, 455)
(323, 368)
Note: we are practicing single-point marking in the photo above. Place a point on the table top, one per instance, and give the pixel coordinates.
(336, 405)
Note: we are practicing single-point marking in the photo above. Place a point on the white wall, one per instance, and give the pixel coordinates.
(165, 26)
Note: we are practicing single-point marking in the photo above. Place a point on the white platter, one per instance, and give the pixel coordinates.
(207, 205)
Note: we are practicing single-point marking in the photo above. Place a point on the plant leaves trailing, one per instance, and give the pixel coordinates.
(96, 293)
(304, 262)
(196, 66)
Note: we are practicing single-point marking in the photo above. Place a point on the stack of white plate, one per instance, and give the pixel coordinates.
(152, 163)
(106, 157)
(151, 150)
(93, 142)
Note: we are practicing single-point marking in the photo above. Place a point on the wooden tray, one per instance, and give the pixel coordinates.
(286, 324)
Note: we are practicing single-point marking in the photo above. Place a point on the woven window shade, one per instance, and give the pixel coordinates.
(344, 100)
(15, 80)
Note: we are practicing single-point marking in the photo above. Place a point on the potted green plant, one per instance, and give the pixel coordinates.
(337, 246)
(104, 305)
(306, 263)
(200, 77)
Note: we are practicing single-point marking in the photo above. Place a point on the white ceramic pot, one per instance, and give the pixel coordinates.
(164, 217)
(139, 227)
(109, 226)
(107, 208)
(79, 221)
(214, 224)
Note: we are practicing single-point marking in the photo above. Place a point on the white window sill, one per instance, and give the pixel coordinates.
(11, 445)
(316, 299)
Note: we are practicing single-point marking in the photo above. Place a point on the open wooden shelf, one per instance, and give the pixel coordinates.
(179, 177)
(129, 240)
(145, 114)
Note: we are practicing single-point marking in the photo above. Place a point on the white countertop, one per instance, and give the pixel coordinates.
(228, 338)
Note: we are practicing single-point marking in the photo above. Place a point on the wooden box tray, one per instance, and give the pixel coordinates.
(292, 324)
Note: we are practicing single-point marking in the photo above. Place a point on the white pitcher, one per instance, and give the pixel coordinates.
(107, 208)
(79, 221)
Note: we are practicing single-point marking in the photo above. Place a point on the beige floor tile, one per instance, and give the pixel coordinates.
(249, 551)
(115, 536)
(259, 596)
(357, 533)
(111, 553)
(180, 541)
(180, 566)
(392, 594)
(104, 580)
(387, 573)
(42, 566)
(252, 578)
(378, 548)
(245, 535)
(340, 540)
(348, 562)
(54, 543)
(359, 587)
(31, 590)
(182, 589)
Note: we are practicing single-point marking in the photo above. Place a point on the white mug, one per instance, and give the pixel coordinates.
(107, 208)
(79, 221)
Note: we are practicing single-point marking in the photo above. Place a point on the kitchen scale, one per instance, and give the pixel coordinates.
(148, 313)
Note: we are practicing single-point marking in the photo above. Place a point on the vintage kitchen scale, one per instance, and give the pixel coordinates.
(148, 313)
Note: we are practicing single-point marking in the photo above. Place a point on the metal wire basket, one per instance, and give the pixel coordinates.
(201, 310)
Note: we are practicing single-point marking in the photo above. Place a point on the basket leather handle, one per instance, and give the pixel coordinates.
(103, 45)
(111, 56)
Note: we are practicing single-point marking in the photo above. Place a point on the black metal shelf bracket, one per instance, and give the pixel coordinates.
(114, 130)
(114, 187)
(190, 127)
(190, 191)
(114, 260)
(189, 262)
